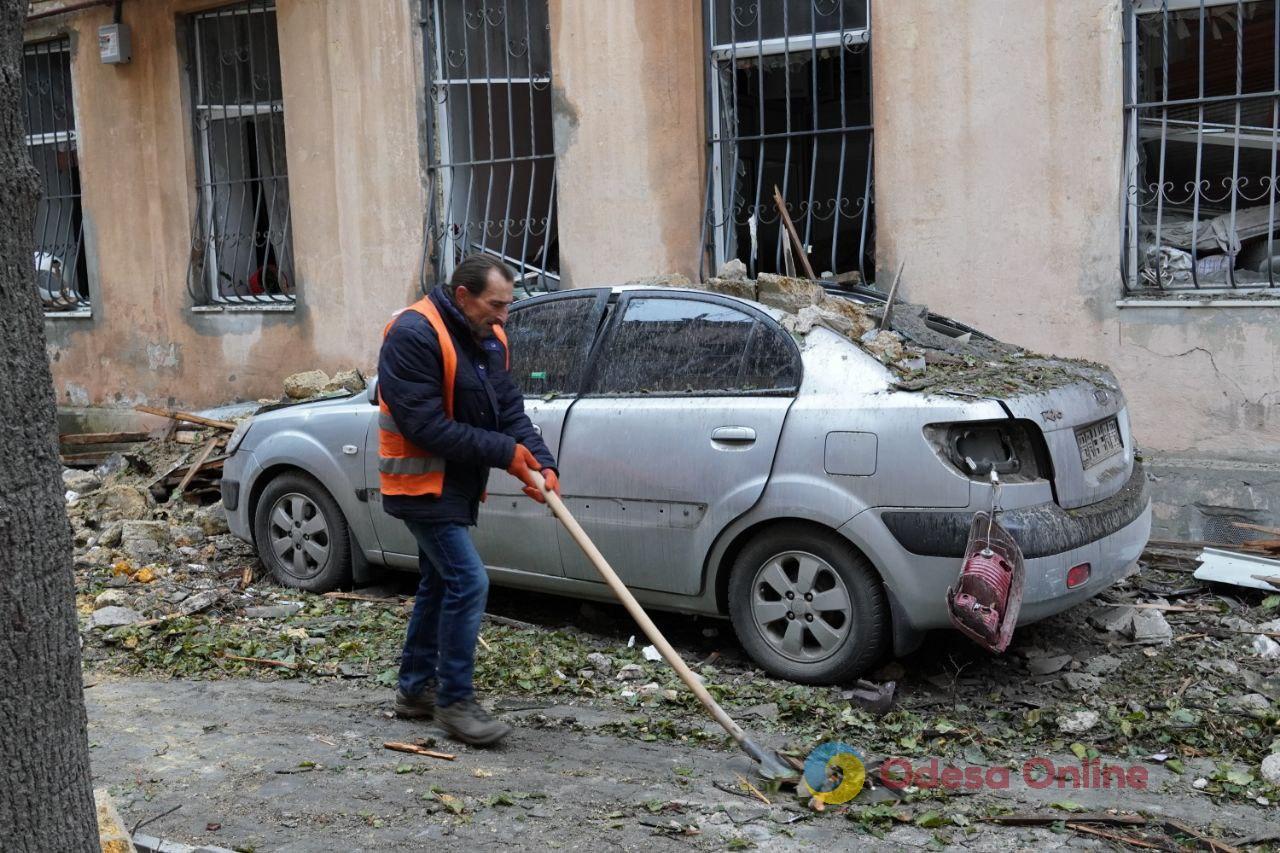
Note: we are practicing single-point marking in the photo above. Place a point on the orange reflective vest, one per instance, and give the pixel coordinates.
(403, 467)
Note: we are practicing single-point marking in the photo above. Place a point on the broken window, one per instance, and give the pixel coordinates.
(241, 248)
(49, 119)
(494, 168)
(1203, 124)
(789, 85)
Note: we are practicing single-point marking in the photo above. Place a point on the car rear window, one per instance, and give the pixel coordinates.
(687, 346)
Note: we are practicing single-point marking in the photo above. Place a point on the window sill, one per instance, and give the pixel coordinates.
(78, 314)
(237, 308)
(1207, 300)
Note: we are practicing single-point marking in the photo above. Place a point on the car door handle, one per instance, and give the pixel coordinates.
(737, 434)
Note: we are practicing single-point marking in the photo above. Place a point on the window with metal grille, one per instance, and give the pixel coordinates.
(241, 247)
(493, 187)
(49, 119)
(789, 90)
(1203, 127)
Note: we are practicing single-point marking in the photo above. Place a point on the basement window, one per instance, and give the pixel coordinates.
(493, 169)
(48, 116)
(789, 85)
(1203, 128)
(241, 247)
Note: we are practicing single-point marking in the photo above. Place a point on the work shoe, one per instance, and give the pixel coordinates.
(469, 723)
(415, 707)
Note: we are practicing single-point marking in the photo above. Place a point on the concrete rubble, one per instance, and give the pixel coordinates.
(155, 556)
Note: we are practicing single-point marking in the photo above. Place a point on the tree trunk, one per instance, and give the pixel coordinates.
(46, 801)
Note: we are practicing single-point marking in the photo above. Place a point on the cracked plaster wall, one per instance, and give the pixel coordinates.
(999, 131)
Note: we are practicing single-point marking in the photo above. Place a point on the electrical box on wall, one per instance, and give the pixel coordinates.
(114, 47)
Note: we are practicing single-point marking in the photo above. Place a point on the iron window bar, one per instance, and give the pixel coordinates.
(48, 114)
(814, 140)
(1200, 162)
(493, 165)
(241, 244)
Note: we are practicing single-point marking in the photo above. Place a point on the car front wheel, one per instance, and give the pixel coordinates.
(807, 607)
(302, 535)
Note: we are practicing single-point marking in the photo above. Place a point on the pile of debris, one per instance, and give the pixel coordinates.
(151, 537)
(902, 336)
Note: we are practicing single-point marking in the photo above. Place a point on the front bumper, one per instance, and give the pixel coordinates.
(919, 552)
(237, 476)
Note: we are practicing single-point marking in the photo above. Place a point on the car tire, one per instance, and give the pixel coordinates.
(301, 534)
(807, 606)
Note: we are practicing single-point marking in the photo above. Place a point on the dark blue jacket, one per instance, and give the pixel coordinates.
(488, 411)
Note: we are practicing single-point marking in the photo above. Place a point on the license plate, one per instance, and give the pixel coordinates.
(1099, 442)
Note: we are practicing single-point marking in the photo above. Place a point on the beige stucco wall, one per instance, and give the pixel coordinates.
(349, 77)
(628, 101)
(999, 130)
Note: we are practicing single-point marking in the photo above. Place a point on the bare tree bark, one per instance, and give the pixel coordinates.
(46, 799)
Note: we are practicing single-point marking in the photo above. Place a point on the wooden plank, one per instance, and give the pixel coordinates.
(791, 229)
(886, 316)
(200, 460)
(355, 596)
(84, 460)
(1104, 818)
(175, 475)
(261, 661)
(1274, 531)
(186, 417)
(74, 439)
(414, 749)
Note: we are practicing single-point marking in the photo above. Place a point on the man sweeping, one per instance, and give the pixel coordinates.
(449, 412)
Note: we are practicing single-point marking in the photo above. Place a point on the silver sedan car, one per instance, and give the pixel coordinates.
(727, 467)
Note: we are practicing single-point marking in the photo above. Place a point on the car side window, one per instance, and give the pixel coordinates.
(672, 346)
(771, 363)
(549, 345)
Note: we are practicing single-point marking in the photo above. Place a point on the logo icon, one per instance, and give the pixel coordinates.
(834, 773)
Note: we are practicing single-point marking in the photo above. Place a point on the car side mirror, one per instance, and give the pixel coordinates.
(371, 394)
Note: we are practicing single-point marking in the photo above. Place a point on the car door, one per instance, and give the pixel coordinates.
(551, 339)
(675, 435)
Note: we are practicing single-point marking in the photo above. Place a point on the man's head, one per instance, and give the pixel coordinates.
(483, 289)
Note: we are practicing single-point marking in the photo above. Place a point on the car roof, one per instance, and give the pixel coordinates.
(619, 289)
(862, 295)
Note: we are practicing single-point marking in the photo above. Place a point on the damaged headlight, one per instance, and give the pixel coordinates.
(238, 434)
(1013, 449)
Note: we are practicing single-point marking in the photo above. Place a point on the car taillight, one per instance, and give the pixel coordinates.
(1077, 575)
(1008, 447)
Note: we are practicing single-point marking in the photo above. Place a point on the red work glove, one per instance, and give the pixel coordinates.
(523, 463)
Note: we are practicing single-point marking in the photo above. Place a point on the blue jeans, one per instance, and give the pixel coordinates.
(441, 642)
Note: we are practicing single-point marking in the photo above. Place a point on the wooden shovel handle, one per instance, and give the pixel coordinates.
(637, 612)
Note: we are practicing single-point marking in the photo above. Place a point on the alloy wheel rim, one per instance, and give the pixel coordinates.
(801, 606)
(299, 536)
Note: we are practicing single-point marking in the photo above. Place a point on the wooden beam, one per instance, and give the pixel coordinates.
(791, 230)
(200, 460)
(186, 417)
(73, 439)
